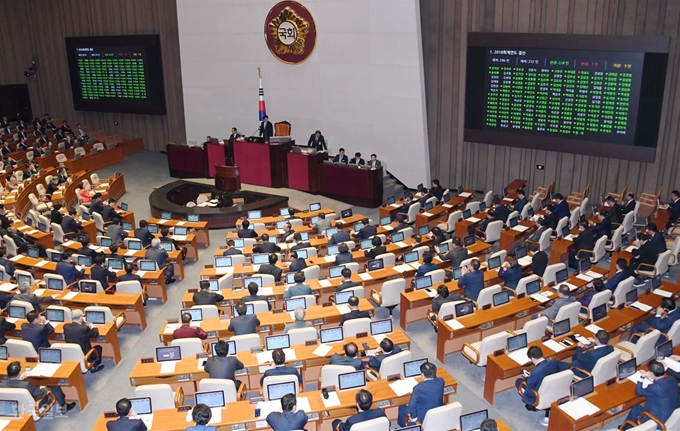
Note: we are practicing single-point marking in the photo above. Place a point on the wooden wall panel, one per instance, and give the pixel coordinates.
(35, 29)
(445, 25)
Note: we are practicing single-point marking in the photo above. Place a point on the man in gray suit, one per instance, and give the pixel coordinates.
(115, 231)
(456, 255)
(321, 224)
(280, 368)
(299, 323)
(349, 358)
(223, 367)
(563, 298)
(158, 253)
(271, 268)
(287, 419)
(243, 323)
(26, 296)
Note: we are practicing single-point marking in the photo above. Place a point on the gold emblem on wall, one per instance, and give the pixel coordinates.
(290, 32)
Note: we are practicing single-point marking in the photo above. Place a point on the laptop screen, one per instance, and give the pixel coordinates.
(232, 347)
(250, 309)
(520, 252)
(561, 275)
(398, 237)
(280, 224)
(358, 226)
(444, 247)
(239, 243)
(423, 282)
(168, 353)
(446, 197)
(356, 379)
(196, 314)
(381, 327)
(584, 265)
(212, 399)
(346, 213)
(52, 356)
(95, 317)
(627, 369)
(141, 406)
(21, 279)
(664, 350)
(332, 250)
(599, 312)
(469, 240)
(86, 216)
(422, 230)
(290, 278)
(500, 298)
(301, 253)
(114, 264)
(384, 221)
(331, 335)
(411, 256)
(467, 214)
(214, 285)
(17, 312)
(583, 387)
(562, 327)
(366, 244)
(84, 260)
(55, 284)
(127, 225)
(180, 230)
(390, 200)
(464, 308)
(412, 368)
(375, 264)
(316, 206)
(134, 245)
(54, 315)
(517, 342)
(256, 280)
(494, 262)
(152, 228)
(260, 259)
(482, 206)
(277, 342)
(9, 408)
(343, 297)
(293, 303)
(147, 265)
(166, 215)
(33, 252)
(124, 207)
(3, 353)
(429, 206)
(304, 236)
(278, 390)
(631, 296)
(472, 421)
(335, 271)
(283, 212)
(533, 287)
(193, 218)
(254, 215)
(105, 241)
(331, 231)
(457, 272)
(167, 246)
(273, 239)
(88, 287)
(223, 261)
(56, 257)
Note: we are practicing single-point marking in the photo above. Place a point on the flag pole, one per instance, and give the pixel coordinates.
(262, 107)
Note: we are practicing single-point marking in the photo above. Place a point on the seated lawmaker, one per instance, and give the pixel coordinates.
(188, 331)
(289, 418)
(457, 254)
(340, 235)
(317, 141)
(299, 288)
(367, 231)
(472, 279)
(357, 160)
(349, 358)
(532, 380)
(374, 163)
(344, 255)
(666, 315)
(280, 368)
(377, 249)
(615, 213)
(296, 263)
(354, 313)
(521, 201)
(204, 296)
(265, 246)
(656, 238)
(427, 265)
(619, 276)
(443, 296)
(511, 272)
(243, 323)
(662, 395)
(598, 286)
(222, 366)
(387, 349)
(271, 268)
(244, 232)
(253, 288)
(347, 282)
(341, 157)
(299, 314)
(426, 395)
(364, 401)
(563, 298)
(437, 190)
(603, 227)
(586, 361)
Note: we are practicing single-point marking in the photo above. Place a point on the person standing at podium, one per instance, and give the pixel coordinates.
(317, 142)
(266, 129)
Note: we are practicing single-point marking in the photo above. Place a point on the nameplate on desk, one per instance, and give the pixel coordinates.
(75, 289)
(264, 328)
(393, 377)
(317, 322)
(311, 343)
(238, 427)
(192, 291)
(486, 306)
(499, 352)
(326, 304)
(257, 349)
(448, 389)
(109, 292)
(610, 381)
(184, 408)
(408, 289)
(383, 404)
(448, 317)
(521, 295)
(208, 266)
(277, 311)
(31, 359)
(362, 334)
(173, 320)
(223, 247)
(201, 355)
(101, 339)
(113, 414)
(256, 400)
(147, 360)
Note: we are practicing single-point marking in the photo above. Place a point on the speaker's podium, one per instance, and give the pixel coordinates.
(304, 169)
(262, 163)
(227, 178)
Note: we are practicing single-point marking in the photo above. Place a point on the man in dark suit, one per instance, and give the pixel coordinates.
(444, 296)
(349, 358)
(245, 232)
(129, 276)
(354, 313)
(253, 296)
(501, 212)
(562, 207)
(656, 238)
(367, 231)
(615, 210)
(344, 255)
(6, 149)
(100, 273)
(4, 327)
(584, 241)
(364, 400)
(66, 128)
(341, 157)
(586, 361)
(142, 233)
(85, 249)
(662, 395)
(188, 331)
(59, 136)
(19, 240)
(542, 368)
(16, 380)
(539, 259)
(347, 283)
(666, 315)
(231, 249)
(628, 204)
(266, 129)
(205, 296)
(317, 142)
(26, 296)
(37, 330)
(223, 366)
(377, 249)
(243, 323)
(125, 421)
(297, 237)
(437, 190)
(604, 227)
(80, 333)
(619, 276)
(6, 263)
(271, 268)
(265, 246)
(644, 253)
(521, 201)
(550, 220)
(280, 368)
(234, 134)
(287, 419)
(387, 349)
(288, 232)
(108, 211)
(426, 395)
(340, 235)
(357, 160)
(472, 279)
(67, 269)
(296, 263)
(674, 208)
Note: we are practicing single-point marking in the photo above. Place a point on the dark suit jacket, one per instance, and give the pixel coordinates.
(473, 282)
(253, 298)
(645, 254)
(222, 367)
(69, 272)
(144, 235)
(287, 235)
(287, 421)
(341, 258)
(246, 233)
(80, 334)
(426, 395)
(675, 211)
(540, 371)
(455, 255)
(551, 220)
(628, 207)
(282, 371)
(562, 209)
(341, 159)
(510, 276)
(587, 360)
(299, 245)
(354, 314)
(4, 327)
(271, 269)
(126, 424)
(539, 262)
(266, 130)
(108, 213)
(438, 301)
(519, 205)
(361, 417)
(501, 213)
(614, 213)
(97, 207)
(366, 232)
(604, 228)
(659, 242)
(585, 240)
(98, 272)
(377, 360)
(318, 144)
(359, 162)
(232, 251)
(339, 237)
(246, 324)
(207, 298)
(338, 359)
(266, 247)
(347, 285)
(375, 251)
(614, 281)
(32, 299)
(664, 325)
(662, 397)
(37, 334)
(297, 265)
(87, 251)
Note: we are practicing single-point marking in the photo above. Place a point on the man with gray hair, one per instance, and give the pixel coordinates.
(26, 295)
(157, 253)
(80, 332)
(299, 314)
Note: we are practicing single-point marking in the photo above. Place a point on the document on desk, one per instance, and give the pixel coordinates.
(663, 293)
(69, 296)
(637, 378)
(395, 205)
(672, 364)
(5, 422)
(584, 277)
(579, 408)
(325, 283)
(569, 237)
(378, 338)
(267, 407)
(401, 244)
(343, 308)
(593, 328)
(593, 274)
(146, 419)
(403, 387)
(216, 416)
(180, 223)
(571, 286)
(641, 306)
(329, 258)
(39, 292)
(322, 350)
(447, 206)
(454, 324)
(171, 327)
(8, 287)
(630, 249)
(161, 221)
(520, 228)
(540, 297)
(332, 401)
(17, 258)
(45, 370)
(464, 194)
(388, 227)
(283, 245)
(520, 356)
(168, 367)
(365, 276)
(524, 261)
(224, 270)
(256, 268)
(402, 268)
(42, 263)
(415, 265)
(554, 346)
(473, 219)
(130, 253)
(426, 214)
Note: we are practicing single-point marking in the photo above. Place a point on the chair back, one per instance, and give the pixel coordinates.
(549, 276)
(310, 300)
(413, 212)
(312, 272)
(573, 218)
(377, 424)
(554, 387)
(95, 179)
(391, 291)
(267, 279)
(621, 290)
(448, 308)
(209, 311)
(238, 259)
(605, 367)
(388, 258)
(535, 329)
(440, 418)
(20, 349)
(41, 190)
(615, 243)
(628, 220)
(513, 215)
(486, 295)
(161, 395)
(488, 198)
(584, 205)
(599, 251)
(10, 245)
(408, 232)
(493, 231)
(569, 312)
(57, 233)
(522, 285)
(524, 214)
(354, 326)
(245, 342)
(330, 373)
(561, 224)
(227, 387)
(473, 207)
(129, 286)
(536, 202)
(272, 380)
(301, 335)
(73, 353)
(675, 250)
(260, 306)
(226, 281)
(453, 218)
(27, 404)
(598, 299)
(394, 364)
(662, 262)
(437, 275)
(644, 348)
(353, 266)
(282, 128)
(189, 346)
(544, 240)
(491, 344)
(98, 221)
(673, 422)
(674, 333)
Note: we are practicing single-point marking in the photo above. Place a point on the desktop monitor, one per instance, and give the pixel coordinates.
(353, 380)
(346, 213)
(599, 312)
(55, 284)
(429, 206)
(384, 221)
(196, 313)
(460, 189)
(84, 260)
(331, 335)
(467, 214)
(255, 214)
(464, 308)
(256, 280)
(561, 275)
(212, 399)
(250, 309)
(232, 348)
(412, 368)
(54, 315)
(494, 262)
(280, 224)
(366, 244)
(583, 387)
(168, 353)
(664, 349)
(335, 271)
(166, 215)
(223, 262)
(134, 245)
(88, 286)
(332, 250)
(290, 278)
(50, 356)
(193, 218)
(584, 265)
(56, 257)
(631, 296)
(565, 231)
(513, 222)
(277, 342)
(411, 256)
(283, 212)
(147, 265)
(273, 239)
(533, 287)
(260, 259)
(180, 230)
(397, 237)
(239, 243)
(278, 390)
(86, 216)
(3, 353)
(42, 227)
(95, 317)
(152, 228)
(316, 206)
(626, 369)
(141, 406)
(517, 342)
(472, 421)
(114, 264)
(501, 298)
(469, 240)
(562, 327)
(105, 241)
(127, 226)
(423, 282)
(33, 252)
(457, 272)
(123, 206)
(482, 206)
(167, 246)
(304, 236)
(520, 252)
(375, 264)
(446, 197)
(381, 327)
(9, 408)
(343, 297)
(293, 303)
(422, 230)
